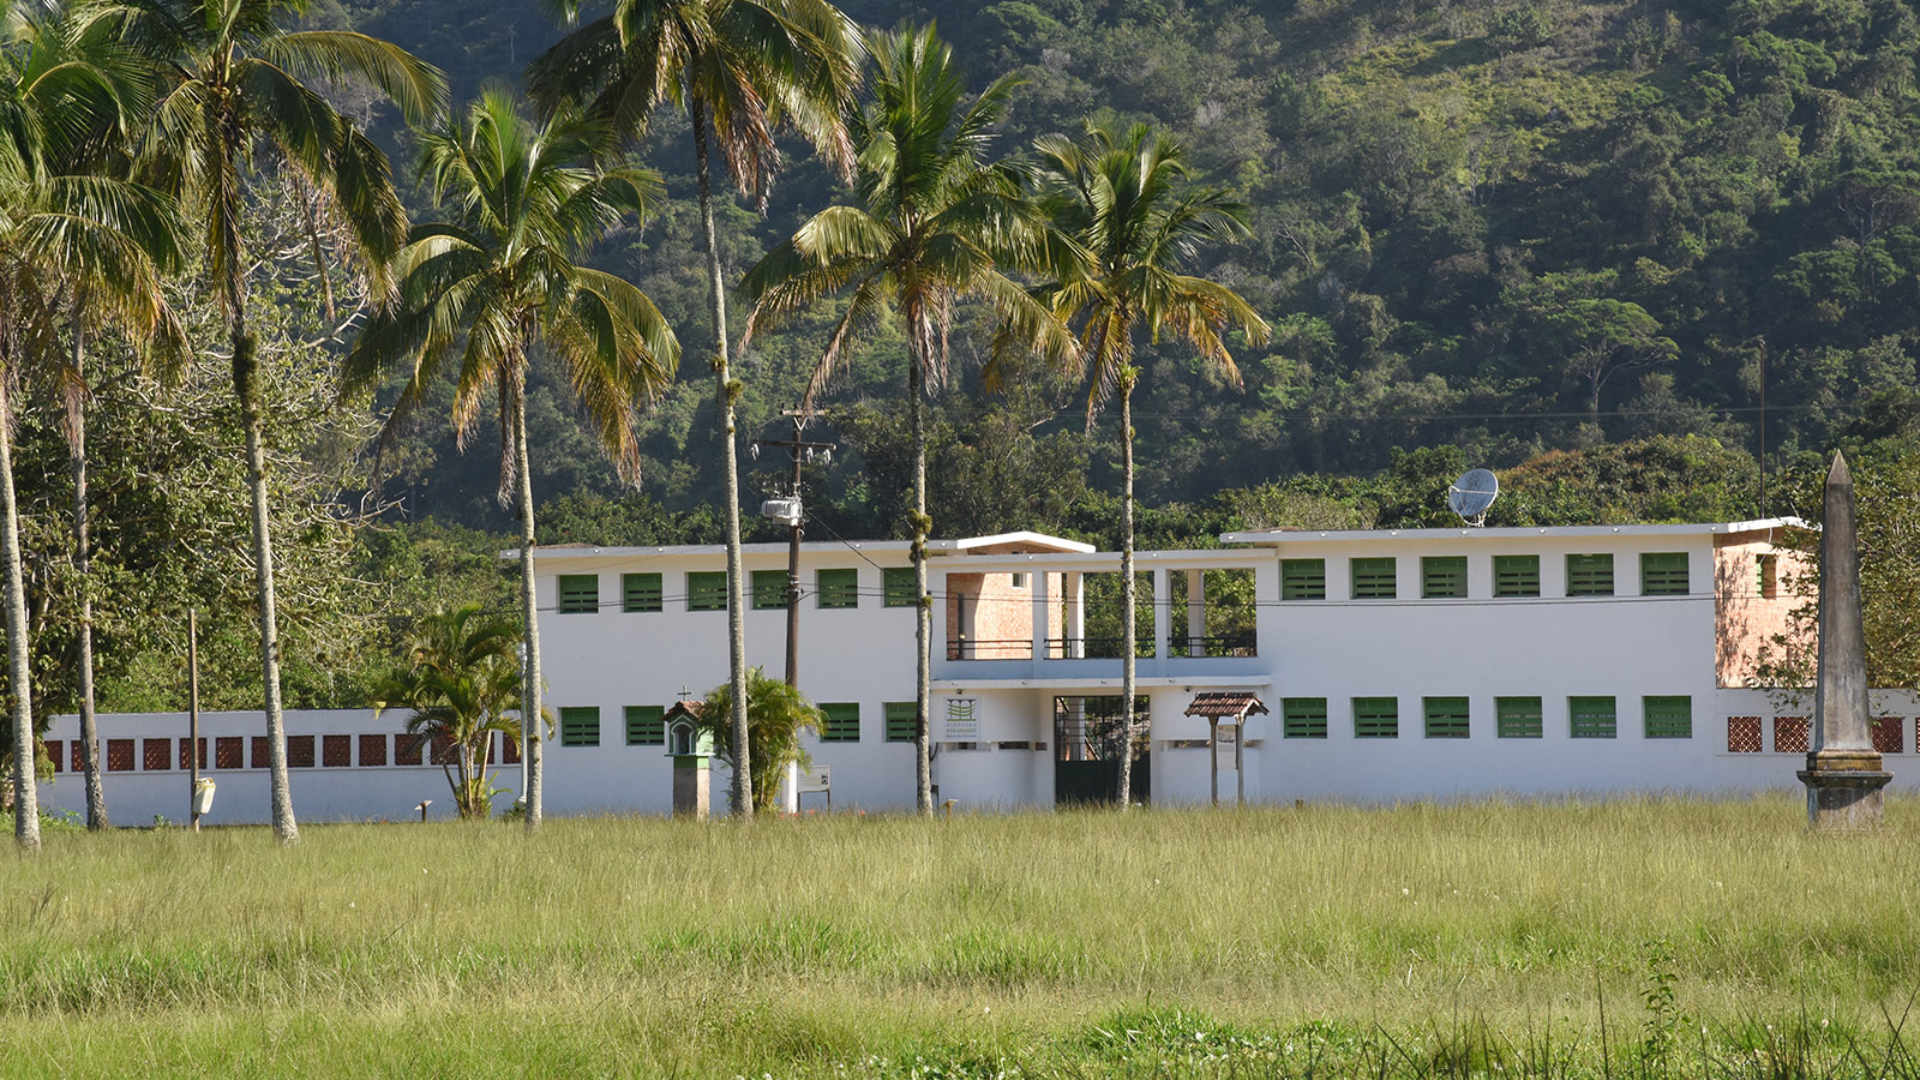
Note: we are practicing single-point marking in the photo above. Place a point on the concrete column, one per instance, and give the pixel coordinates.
(1162, 613)
(1196, 612)
(1037, 582)
(1074, 585)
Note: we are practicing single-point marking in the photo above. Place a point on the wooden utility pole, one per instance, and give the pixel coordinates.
(800, 449)
(193, 719)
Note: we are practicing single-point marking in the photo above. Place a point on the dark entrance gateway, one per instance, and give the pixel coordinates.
(1087, 741)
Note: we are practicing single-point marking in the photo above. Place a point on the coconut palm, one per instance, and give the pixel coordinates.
(1126, 220)
(234, 83)
(461, 681)
(936, 222)
(742, 70)
(482, 290)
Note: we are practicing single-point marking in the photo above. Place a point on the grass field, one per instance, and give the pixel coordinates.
(1419, 940)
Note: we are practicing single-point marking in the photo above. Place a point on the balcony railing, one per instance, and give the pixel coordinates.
(979, 649)
(1097, 648)
(1103, 648)
(1241, 644)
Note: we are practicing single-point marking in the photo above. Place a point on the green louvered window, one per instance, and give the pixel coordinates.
(1589, 575)
(580, 725)
(903, 721)
(1303, 579)
(1373, 579)
(707, 590)
(640, 592)
(1446, 717)
(646, 725)
(1376, 718)
(1516, 575)
(1663, 573)
(842, 721)
(579, 594)
(838, 589)
(769, 589)
(1517, 717)
(1593, 717)
(1767, 575)
(896, 586)
(1669, 716)
(1443, 577)
(1304, 718)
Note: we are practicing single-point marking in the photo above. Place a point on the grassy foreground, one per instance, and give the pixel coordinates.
(1411, 941)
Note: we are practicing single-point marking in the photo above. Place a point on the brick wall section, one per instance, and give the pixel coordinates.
(1744, 620)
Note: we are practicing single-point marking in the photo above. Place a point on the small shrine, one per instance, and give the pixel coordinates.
(691, 748)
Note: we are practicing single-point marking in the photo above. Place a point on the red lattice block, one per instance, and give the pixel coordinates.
(406, 749)
(262, 755)
(1886, 735)
(444, 752)
(186, 758)
(228, 752)
(1743, 735)
(79, 755)
(119, 755)
(373, 750)
(1790, 734)
(299, 751)
(154, 754)
(53, 753)
(510, 751)
(336, 751)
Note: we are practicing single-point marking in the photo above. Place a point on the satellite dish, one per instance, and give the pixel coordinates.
(1472, 494)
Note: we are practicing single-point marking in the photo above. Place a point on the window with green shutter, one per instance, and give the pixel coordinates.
(1373, 579)
(1304, 717)
(1663, 573)
(579, 594)
(1593, 717)
(1767, 575)
(837, 589)
(1443, 577)
(1376, 718)
(903, 721)
(1517, 717)
(646, 725)
(640, 592)
(707, 590)
(580, 725)
(896, 586)
(769, 589)
(1589, 575)
(1669, 717)
(1303, 579)
(842, 721)
(1446, 717)
(1516, 575)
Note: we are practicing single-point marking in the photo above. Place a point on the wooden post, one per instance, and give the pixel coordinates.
(1240, 761)
(193, 719)
(1213, 756)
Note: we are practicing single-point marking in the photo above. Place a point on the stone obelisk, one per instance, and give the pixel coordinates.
(1843, 774)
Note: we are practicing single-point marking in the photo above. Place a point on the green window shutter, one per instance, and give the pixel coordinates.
(1443, 577)
(897, 587)
(1518, 717)
(1373, 579)
(1304, 718)
(579, 594)
(1446, 717)
(580, 725)
(646, 725)
(1303, 579)
(1376, 718)
(1589, 575)
(1593, 717)
(903, 721)
(842, 721)
(1663, 573)
(1767, 572)
(769, 589)
(1669, 717)
(707, 590)
(838, 589)
(1516, 575)
(640, 592)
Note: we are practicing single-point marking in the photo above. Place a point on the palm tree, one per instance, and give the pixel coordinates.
(482, 289)
(779, 714)
(1126, 219)
(936, 222)
(233, 81)
(61, 225)
(461, 679)
(745, 68)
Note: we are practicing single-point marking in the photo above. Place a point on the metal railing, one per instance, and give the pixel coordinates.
(1097, 648)
(979, 649)
(1241, 644)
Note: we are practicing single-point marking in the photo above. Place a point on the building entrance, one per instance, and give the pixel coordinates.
(1087, 745)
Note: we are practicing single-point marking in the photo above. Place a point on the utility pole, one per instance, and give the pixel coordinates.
(193, 718)
(793, 514)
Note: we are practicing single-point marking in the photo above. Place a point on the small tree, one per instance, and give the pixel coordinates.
(776, 715)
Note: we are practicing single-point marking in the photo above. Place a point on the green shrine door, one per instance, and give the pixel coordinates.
(1086, 750)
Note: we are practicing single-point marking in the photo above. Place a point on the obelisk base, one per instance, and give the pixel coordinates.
(691, 780)
(1843, 790)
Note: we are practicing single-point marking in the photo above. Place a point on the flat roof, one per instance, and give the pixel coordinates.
(934, 547)
(1282, 536)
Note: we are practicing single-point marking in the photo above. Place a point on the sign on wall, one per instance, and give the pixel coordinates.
(963, 722)
(817, 779)
(1226, 747)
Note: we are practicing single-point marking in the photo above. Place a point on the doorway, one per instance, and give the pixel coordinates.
(1087, 742)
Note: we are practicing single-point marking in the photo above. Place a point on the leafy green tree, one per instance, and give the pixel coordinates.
(1125, 221)
(460, 679)
(231, 73)
(777, 715)
(936, 222)
(747, 68)
(480, 292)
(1601, 337)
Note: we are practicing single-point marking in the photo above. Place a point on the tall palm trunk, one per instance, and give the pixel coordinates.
(1126, 590)
(26, 798)
(742, 799)
(531, 731)
(82, 559)
(922, 601)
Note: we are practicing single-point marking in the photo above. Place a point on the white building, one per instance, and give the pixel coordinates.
(1395, 664)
